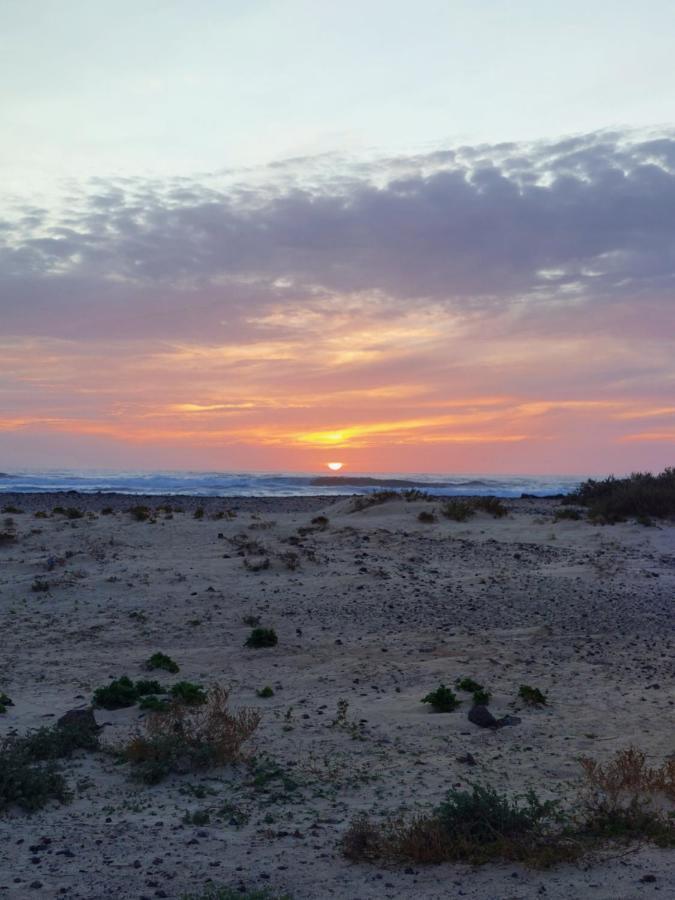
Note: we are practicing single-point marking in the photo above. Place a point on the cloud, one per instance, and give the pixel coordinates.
(574, 230)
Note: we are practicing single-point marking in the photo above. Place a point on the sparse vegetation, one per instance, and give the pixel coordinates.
(412, 495)
(376, 498)
(262, 637)
(638, 495)
(12, 510)
(140, 513)
(198, 513)
(29, 776)
(162, 661)
(5, 702)
(39, 586)
(427, 517)
(568, 512)
(532, 695)
(189, 694)
(482, 697)
(185, 739)
(442, 700)
(468, 685)
(491, 505)
(215, 892)
(123, 692)
(457, 510)
(474, 826)
(265, 692)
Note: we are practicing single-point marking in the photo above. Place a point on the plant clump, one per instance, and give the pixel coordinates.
(140, 513)
(189, 694)
(427, 517)
(262, 637)
(5, 702)
(162, 661)
(640, 495)
(185, 739)
(123, 692)
(442, 700)
(457, 510)
(532, 695)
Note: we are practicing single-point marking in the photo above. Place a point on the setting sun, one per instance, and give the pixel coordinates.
(335, 466)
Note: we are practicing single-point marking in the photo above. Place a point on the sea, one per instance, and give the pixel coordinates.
(267, 484)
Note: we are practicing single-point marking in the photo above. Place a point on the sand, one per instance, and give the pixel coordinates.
(379, 611)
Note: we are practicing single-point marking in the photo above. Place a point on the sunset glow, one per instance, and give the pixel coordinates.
(335, 466)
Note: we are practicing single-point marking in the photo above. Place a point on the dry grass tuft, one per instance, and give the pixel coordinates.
(186, 739)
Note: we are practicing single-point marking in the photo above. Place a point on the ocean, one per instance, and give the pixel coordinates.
(244, 484)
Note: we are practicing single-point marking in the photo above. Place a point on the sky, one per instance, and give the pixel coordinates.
(428, 237)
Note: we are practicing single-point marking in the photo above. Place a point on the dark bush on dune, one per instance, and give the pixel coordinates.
(639, 495)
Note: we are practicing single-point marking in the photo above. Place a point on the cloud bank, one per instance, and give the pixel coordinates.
(330, 296)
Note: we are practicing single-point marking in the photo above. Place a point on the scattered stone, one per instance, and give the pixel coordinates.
(481, 716)
(79, 718)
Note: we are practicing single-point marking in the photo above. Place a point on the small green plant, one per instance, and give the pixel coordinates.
(148, 686)
(531, 695)
(442, 699)
(140, 513)
(107, 511)
(198, 513)
(251, 621)
(74, 513)
(13, 510)
(41, 514)
(468, 685)
(457, 510)
(119, 694)
(152, 703)
(262, 637)
(162, 661)
(265, 692)
(5, 702)
(188, 693)
(39, 586)
(198, 817)
(427, 517)
(376, 498)
(491, 505)
(482, 697)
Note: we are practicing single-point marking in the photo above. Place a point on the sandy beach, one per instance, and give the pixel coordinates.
(371, 607)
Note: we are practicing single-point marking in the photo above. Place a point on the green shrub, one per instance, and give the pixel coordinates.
(491, 505)
(29, 777)
(468, 685)
(13, 510)
(162, 661)
(139, 513)
(531, 695)
(640, 494)
(262, 637)
(482, 697)
(374, 499)
(457, 510)
(426, 517)
(148, 686)
(73, 513)
(188, 693)
(265, 692)
(412, 495)
(152, 703)
(5, 702)
(442, 699)
(198, 513)
(118, 694)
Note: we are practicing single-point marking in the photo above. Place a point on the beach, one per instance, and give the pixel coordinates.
(373, 608)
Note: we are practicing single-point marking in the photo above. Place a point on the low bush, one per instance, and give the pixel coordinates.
(376, 498)
(39, 586)
(532, 695)
(265, 692)
(482, 697)
(640, 495)
(123, 692)
(427, 517)
(162, 661)
(198, 513)
(184, 739)
(189, 694)
(468, 685)
(11, 509)
(139, 513)
(442, 699)
(262, 637)
(458, 510)
(491, 505)
(5, 702)
(29, 777)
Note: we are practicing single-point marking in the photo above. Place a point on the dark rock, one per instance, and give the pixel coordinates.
(79, 718)
(480, 715)
(508, 720)
(648, 879)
